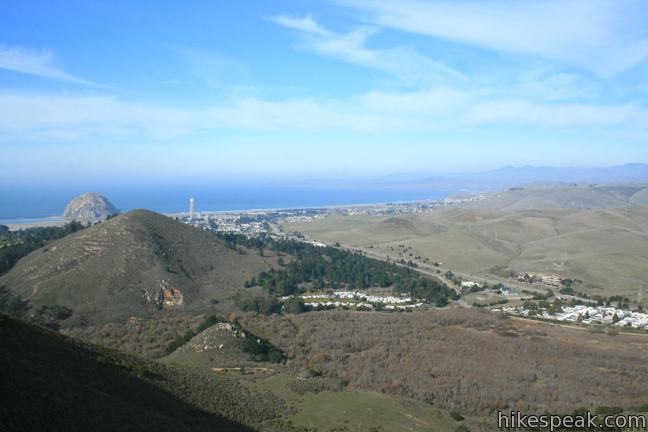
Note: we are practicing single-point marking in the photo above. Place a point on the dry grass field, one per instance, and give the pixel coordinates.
(605, 247)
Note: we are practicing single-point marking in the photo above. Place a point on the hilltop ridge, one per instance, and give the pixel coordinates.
(138, 263)
(595, 234)
(548, 196)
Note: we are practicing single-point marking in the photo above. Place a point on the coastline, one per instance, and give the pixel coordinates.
(15, 224)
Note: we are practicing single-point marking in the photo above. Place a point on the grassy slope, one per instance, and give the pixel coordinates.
(102, 272)
(54, 383)
(606, 248)
(360, 410)
(326, 407)
(551, 197)
(213, 347)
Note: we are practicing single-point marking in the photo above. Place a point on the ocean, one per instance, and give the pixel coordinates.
(32, 204)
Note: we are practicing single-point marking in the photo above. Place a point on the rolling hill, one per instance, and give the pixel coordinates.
(316, 403)
(57, 383)
(510, 176)
(221, 345)
(594, 234)
(468, 360)
(136, 264)
(548, 197)
(60, 384)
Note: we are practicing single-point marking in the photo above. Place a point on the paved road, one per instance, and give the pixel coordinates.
(431, 270)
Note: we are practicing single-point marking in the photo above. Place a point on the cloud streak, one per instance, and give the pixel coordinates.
(406, 63)
(603, 36)
(41, 63)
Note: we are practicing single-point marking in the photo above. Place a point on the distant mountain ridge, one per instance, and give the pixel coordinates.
(517, 176)
(510, 176)
(547, 196)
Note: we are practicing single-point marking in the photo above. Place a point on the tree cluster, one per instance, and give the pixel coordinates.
(469, 361)
(261, 304)
(46, 315)
(187, 336)
(17, 244)
(147, 338)
(329, 267)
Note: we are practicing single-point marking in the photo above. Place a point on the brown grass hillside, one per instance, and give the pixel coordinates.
(606, 248)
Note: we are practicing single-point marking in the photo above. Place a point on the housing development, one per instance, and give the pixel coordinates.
(358, 299)
(255, 222)
(586, 314)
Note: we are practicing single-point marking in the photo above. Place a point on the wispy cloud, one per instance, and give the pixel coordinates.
(40, 63)
(603, 36)
(38, 116)
(56, 116)
(305, 24)
(406, 63)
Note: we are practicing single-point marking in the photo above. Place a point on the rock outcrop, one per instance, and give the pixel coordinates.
(89, 206)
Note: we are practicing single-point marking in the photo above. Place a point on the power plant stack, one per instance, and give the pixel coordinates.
(191, 209)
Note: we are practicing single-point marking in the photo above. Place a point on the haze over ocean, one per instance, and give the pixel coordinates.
(173, 96)
(93, 92)
(42, 202)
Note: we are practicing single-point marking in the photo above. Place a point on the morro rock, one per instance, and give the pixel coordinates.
(89, 206)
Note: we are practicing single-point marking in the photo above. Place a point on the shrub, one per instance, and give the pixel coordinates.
(607, 411)
(566, 290)
(11, 304)
(183, 339)
(456, 416)
(261, 304)
(179, 341)
(209, 321)
(294, 305)
(261, 350)
(50, 316)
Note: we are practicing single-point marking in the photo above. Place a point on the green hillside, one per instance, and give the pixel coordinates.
(55, 383)
(139, 263)
(315, 403)
(58, 383)
(222, 345)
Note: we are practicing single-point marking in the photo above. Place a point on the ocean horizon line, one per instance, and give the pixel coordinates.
(27, 220)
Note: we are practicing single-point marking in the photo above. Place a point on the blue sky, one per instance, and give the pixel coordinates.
(154, 90)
